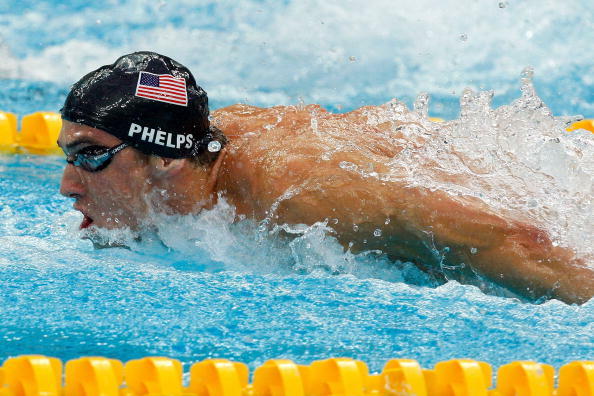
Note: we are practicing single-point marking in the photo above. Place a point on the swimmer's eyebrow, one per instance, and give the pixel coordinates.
(76, 143)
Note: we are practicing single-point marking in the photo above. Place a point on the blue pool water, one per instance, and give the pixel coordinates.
(231, 290)
(342, 54)
(61, 297)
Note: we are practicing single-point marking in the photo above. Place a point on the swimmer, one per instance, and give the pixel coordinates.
(141, 128)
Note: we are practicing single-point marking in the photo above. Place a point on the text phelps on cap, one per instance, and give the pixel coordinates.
(160, 137)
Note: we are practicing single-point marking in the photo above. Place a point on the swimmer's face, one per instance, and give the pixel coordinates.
(113, 197)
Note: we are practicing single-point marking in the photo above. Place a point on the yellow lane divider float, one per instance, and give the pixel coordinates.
(40, 131)
(37, 375)
(38, 135)
(588, 125)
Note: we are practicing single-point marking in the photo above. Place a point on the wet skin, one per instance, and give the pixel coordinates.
(122, 194)
(278, 166)
(109, 198)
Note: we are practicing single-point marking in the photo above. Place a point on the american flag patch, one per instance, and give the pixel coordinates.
(162, 87)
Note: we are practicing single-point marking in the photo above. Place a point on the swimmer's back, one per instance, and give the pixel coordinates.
(304, 165)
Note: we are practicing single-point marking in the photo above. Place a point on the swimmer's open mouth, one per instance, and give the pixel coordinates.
(86, 222)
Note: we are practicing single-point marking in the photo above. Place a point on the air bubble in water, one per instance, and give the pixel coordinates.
(352, 59)
(355, 227)
(473, 250)
(377, 232)
(463, 37)
(502, 4)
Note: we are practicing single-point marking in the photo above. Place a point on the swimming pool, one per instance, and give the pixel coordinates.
(234, 291)
(227, 295)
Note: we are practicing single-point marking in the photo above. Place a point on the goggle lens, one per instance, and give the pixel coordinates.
(94, 158)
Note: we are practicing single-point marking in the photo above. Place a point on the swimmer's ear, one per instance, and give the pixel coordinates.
(166, 166)
(213, 174)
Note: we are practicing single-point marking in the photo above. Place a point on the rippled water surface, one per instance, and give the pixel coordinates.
(227, 293)
(342, 54)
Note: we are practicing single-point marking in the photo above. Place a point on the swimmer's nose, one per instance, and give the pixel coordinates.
(71, 185)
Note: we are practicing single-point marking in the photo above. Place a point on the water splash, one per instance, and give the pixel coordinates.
(517, 158)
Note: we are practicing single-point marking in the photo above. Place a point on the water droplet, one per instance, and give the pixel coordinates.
(502, 4)
(355, 227)
(214, 146)
(377, 232)
(300, 104)
(352, 59)
(421, 104)
(529, 34)
(387, 221)
(347, 165)
(98, 21)
(473, 250)
(463, 37)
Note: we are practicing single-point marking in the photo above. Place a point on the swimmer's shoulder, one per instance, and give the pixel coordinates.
(270, 149)
(242, 119)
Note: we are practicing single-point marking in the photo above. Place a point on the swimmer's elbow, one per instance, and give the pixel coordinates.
(529, 263)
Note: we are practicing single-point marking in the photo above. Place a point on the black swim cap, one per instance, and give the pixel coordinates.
(147, 100)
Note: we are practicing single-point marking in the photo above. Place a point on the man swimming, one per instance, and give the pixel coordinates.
(137, 136)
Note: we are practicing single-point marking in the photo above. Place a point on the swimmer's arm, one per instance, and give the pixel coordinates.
(528, 262)
(515, 254)
(422, 222)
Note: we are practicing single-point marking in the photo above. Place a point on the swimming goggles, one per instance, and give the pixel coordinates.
(94, 158)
